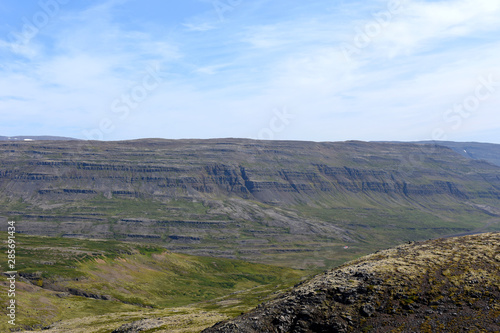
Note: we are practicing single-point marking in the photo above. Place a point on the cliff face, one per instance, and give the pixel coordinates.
(247, 194)
(445, 285)
(478, 151)
(282, 172)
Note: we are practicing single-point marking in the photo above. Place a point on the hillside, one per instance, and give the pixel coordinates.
(298, 204)
(73, 285)
(35, 138)
(444, 285)
(478, 151)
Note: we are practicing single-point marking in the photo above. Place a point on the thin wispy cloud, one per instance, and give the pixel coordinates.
(203, 26)
(347, 70)
(422, 25)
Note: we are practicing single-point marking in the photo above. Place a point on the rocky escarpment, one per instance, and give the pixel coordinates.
(254, 200)
(444, 285)
(478, 151)
(272, 172)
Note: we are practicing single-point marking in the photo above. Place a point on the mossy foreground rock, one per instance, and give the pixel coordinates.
(443, 285)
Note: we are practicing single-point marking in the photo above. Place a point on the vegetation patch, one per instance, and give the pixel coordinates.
(107, 278)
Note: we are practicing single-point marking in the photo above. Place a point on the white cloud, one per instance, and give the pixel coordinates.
(21, 47)
(210, 70)
(423, 25)
(225, 79)
(203, 26)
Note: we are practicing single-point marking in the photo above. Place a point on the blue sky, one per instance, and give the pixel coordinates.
(264, 69)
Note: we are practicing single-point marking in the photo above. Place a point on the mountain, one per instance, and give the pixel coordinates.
(478, 151)
(444, 285)
(292, 203)
(35, 138)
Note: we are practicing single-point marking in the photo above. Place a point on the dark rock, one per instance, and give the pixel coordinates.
(367, 310)
(299, 310)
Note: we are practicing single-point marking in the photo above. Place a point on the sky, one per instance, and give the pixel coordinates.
(318, 70)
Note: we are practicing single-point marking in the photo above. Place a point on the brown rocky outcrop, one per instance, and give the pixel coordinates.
(444, 285)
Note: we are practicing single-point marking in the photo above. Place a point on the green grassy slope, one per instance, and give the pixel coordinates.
(63, 279)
